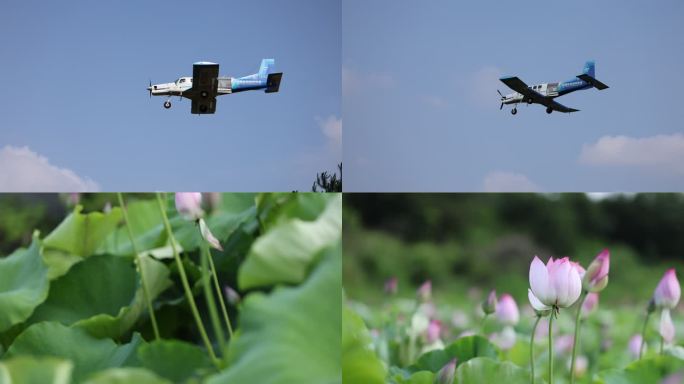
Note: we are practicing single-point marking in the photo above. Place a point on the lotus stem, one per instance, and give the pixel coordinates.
(534, 330)
(578, 322)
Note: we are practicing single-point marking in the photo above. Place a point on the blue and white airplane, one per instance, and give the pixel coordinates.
(204, 85)
(545, 93)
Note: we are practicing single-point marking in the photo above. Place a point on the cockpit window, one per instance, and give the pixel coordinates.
(182, 80)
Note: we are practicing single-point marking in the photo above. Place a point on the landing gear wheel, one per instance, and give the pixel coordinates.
(529, 101)
(167, 104)
(514, 111)
(549, 110)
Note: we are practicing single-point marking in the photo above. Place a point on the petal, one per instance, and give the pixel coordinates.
(536, 304)
(539, 281)
(560, 280)
(667, 330)
(208, 236)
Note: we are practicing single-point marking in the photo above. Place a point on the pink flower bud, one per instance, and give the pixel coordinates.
(634, 345)
(189, 205)
(555, 284)
(596, 277)
(666, 329)
(208, 236)
(507, 310)
(668, 291)
(590, 304)
(425, 291)
(433, 331)
(391, 286)
(489, 306)
(446, 374)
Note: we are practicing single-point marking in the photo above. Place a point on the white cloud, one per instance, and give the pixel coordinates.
(22, 170)
(484, 84)
(664, 151)
(353, 81)
(332, 129)
(508, 182)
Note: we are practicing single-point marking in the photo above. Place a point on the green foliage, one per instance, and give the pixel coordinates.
(174, 360)
(32, 370)
(360, 364)
(293, 334)
(23, 284)
(126, 376)
(650, 370)
(487, 370)
(463, 349)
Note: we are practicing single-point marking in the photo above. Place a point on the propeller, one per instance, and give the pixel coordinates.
(150, 88)
(502, 99)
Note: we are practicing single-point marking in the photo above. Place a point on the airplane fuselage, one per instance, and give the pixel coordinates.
(551, 90)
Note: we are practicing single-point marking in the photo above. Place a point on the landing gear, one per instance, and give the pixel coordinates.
(529, 101)
(514, 111)
(167, 104)
(549, 110)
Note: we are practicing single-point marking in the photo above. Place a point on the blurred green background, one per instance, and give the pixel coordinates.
(468, 244)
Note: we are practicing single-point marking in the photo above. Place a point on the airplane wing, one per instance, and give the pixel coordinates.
(519, 86)
(204, 87)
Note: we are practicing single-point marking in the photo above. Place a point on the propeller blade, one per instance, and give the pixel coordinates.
(500, 93)
(150, 88)
(501, 107)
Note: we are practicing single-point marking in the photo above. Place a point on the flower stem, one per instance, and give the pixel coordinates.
(578, 322)
(553, 310)
(534, 329)
(219, 293)
(146, 291)
(662, 343)
(643, 334)
(209, 296)
(186, 285)
(482, 325)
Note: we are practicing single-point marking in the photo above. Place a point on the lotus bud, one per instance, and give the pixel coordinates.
(634, 345)
(667, 292)
(425, 291)
(556, 284)
(189, 205)
(507, 310)
(666, 329)
(489, 305)
(596, 277)
(590, 304)
(232, 296)
(581, 364)
(433, 331)
(446, 374)
(391, 286)
(651, 307)
(208, 236)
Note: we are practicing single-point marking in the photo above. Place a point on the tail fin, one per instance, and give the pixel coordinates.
(589, 68)
(266, 66)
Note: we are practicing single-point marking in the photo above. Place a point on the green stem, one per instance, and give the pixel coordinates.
(482, 325)
(578, 322)
(219, 293)
(146, 291)
(209, 296)
(534, 329)
(662, 343)
(553, 310)
(186, 285)
(643, 334)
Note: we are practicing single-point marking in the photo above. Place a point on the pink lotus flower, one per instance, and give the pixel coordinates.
(433, 331)
(590, 303)
(425, 291)
(667, 292)
(189, 205)
(555, 284)
(507, 310)
(596, 277)
(446, 374)
(634, 345)
(666, 329)
(391, 286)
(489, 306)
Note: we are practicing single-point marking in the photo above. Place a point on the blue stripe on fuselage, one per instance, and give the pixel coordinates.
(573, 85)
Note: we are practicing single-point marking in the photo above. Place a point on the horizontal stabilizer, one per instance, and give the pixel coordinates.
(273, 82)
(597, 84)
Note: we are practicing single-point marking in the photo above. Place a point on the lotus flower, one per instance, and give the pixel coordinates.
(667, 292)
(556, 284)
(634, 345)
(425, 291)
(433, 331)
(489, 306)
(189, 205)
(446, 374)
(666, 329)
(596, 277)
(507, 310)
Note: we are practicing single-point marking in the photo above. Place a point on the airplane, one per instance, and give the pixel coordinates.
(205, 84)
(545, 93)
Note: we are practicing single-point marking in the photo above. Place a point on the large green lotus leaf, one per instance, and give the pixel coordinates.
(421, 377)
(462, 349)
(648, 370)
(103, 294)
(293, 334)
(487, 370)
(32, 370)
(126, 376)
(175, 360)
(81, 234)
(274, 208)
(145, 221)
(286, 253)
(360, 364)
(23, 284)
(86, 352)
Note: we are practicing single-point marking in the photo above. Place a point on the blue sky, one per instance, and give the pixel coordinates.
(422, 113)
(76, 114)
